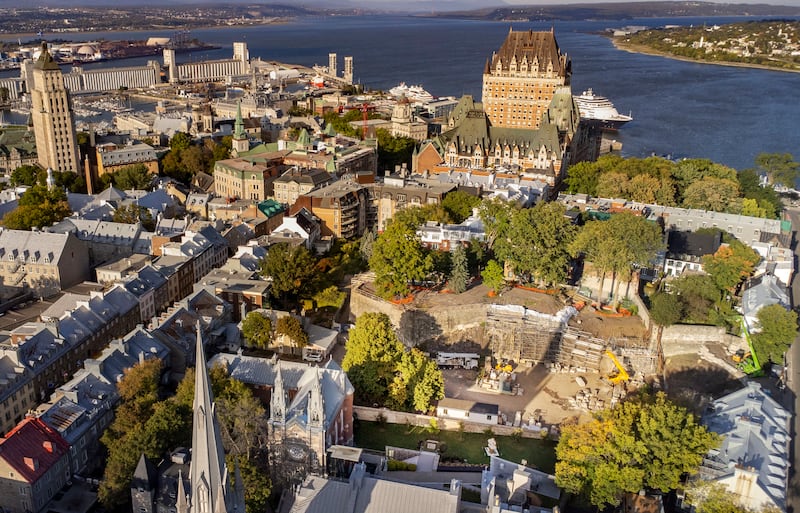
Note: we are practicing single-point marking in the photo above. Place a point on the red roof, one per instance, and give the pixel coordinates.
(32, 448)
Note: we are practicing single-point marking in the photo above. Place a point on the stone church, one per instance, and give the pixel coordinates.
(191, 483)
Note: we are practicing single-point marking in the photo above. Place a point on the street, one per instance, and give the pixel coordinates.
(791, 396)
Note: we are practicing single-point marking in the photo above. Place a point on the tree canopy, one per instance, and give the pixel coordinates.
(142, 424)
(537, 243)
(781, 168)
(38, 207)
(257, 330)
(691, 183)
(397, 259)
(493, 276)
(459, 205)
(393, 151)
(135, 176)
(292, 270)
(731, 264)
(778, 329)
(292, 328)
(644, 442)
(459, 273)
(384, 372)
(619, 244)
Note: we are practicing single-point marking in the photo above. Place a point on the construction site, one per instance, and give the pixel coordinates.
(544, 361)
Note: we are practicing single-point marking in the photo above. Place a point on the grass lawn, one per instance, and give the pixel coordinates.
(468, 446)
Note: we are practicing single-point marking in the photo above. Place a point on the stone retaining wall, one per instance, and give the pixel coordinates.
(414, 419)
(686, 339)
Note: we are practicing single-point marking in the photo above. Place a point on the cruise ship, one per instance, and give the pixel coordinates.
(599, 110)
(414, 93)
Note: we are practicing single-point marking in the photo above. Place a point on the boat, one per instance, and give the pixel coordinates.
(415, 92)
(599, 110)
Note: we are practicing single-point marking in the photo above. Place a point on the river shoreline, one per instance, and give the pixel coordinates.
(61, 35)
(631, 48)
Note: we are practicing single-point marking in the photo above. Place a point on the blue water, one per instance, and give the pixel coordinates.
(683, 109)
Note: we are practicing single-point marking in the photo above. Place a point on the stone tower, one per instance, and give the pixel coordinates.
(520, 79)
(348, 69)
(240, 143)
(332, 64)
(53, 120)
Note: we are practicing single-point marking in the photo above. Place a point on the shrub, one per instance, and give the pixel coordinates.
(488, 431)
(433, 427)
(381, 419)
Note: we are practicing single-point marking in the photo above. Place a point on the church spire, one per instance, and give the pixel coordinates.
(209, 476)
(240, 143)
(277, 406)
(316, 408)
(238, 126)
(181, 504)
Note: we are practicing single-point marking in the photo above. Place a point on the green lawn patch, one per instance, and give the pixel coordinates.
(540, 454)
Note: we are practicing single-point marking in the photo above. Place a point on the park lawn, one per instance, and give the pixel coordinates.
(540, 454)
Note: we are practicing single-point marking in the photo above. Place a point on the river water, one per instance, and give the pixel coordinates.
(682, 109)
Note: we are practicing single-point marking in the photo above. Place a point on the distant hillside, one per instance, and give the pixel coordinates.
(620, 11)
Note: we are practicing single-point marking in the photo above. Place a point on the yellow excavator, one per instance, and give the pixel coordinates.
(621, 375)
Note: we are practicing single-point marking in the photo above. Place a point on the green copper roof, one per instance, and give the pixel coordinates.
(270, 208)
(329, 130)
(238, 126)
(303, 139)
(46, 60)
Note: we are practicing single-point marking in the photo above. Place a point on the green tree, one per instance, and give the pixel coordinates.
(697, 293)
(537, 243)
(582, 178)
(330, 296)
(612, 185)
(393, 151)
(493, 276)
(292, 270)
(257, 330)
(417, 382)
(766, 197)
(459, 275)
(292, 328)
(371, 353)
(38, 207)
(731, 264)
(25, 175)
(778, 329)
(180, 141)
(645, 442)
(619, 244)
(397, 259)
(666, 309)
(242, 419)
(257, 486)
(132, 177)
(751, 207)
(711, 193)
(496, 215)
(142, 424)
(780, 168)
(459, 205)
(132, 214)
(714, 497)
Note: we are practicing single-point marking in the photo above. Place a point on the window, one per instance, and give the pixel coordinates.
(488, 417)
